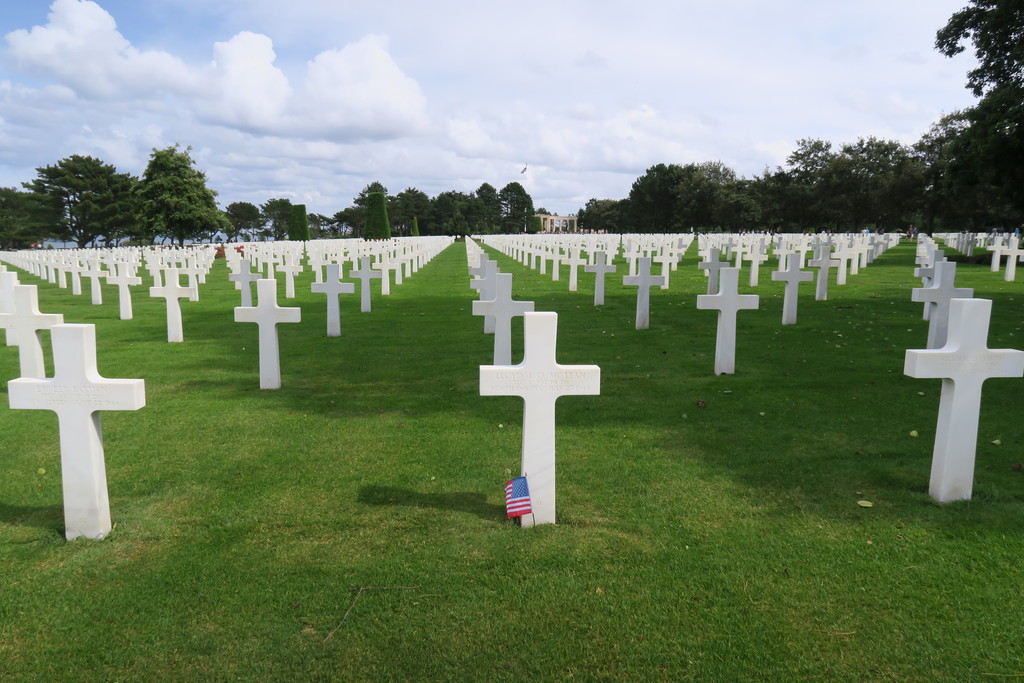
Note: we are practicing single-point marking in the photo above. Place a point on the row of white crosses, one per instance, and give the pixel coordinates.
(77, 393)
(956, 351)
(999, 245)
(267, 314)
(539, 379)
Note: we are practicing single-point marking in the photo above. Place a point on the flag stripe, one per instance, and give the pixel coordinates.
(517, 498)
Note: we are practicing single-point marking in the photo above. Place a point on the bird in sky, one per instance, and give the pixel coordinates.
(524, 169)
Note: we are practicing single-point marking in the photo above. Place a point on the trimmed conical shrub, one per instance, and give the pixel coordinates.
(378, 227)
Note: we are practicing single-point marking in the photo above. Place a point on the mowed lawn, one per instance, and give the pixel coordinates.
(351, 526)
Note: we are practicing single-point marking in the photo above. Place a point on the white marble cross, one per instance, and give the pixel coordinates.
(502, 308)
(556, 260)
(822, 261)
(74, 266)
(540, 381)
(667, 259)
(23, 325)
(171, 291)
(242, 278)
(364, 273)
(964, 363)
(267, 314)
(123, 278)
(95, 273)
(756, 257)
(7, 281)
(77, 393)
(194, 271)
(996, 249)
(574, 261)
(600, 269)
(290, 268)
(484, 284)
(644, 281)
(332, 287)
(385, 264)
(936, 299)
(1013, 254)
(728, 302)
(712, 266)
(792, 276)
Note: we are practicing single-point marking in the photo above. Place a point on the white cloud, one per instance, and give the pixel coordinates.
(245, 88)
(360, 89)
(82, 48)
(357, 90)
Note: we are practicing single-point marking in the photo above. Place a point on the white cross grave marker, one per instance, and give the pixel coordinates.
(540, 380)
(242, 278)
(171, 291)
(712, 267)
(95, 273)
(600, 269)
(124, 280)
(727, 302)
(1013, 254)
(644, 281)
(484, 284)
(823, 261)
(7, 281)
(502, 308)
(77, 393)
(385, 264)
(936, 300)
(291, 268)
(792, 276)
(267, 314)
(364, 273)
(574, 261)
(963, 364)
(23, 325)
(756, 257)
(332, 287)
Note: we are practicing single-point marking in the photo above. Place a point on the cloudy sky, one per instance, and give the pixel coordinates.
(314, 99)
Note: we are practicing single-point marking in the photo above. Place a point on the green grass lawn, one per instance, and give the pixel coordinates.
(721, 542)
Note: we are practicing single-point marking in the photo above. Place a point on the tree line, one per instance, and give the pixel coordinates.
(871, 183)
(84, 200)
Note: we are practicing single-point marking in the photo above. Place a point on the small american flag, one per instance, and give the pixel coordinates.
(517, 498)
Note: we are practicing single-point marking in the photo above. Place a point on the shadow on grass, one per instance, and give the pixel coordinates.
(473, 503)
(49, 517)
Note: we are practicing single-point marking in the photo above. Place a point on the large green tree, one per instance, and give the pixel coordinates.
(996, 29)
(874, 182)
(601, 215)
(490, 209)
(989, 150)
(25, 218)
(245, 220)
(176, 202)
(408, 204)
(89, 198)
(277, 217)
(516, 207)
(652, 204)
(450, 213)
(319, 226)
